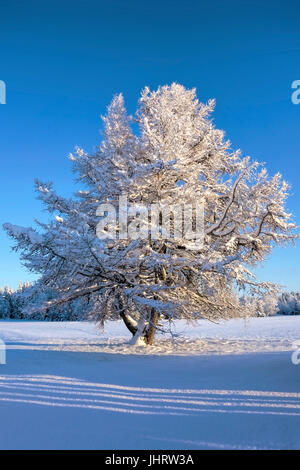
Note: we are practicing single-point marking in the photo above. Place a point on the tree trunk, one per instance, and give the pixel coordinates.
(154, 315)
(151, 330)
(138, 338)
(141, 331)
(128, 323)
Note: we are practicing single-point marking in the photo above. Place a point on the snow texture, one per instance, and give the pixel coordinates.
(228, 386)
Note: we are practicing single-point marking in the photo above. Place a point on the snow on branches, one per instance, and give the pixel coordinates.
(176, 155)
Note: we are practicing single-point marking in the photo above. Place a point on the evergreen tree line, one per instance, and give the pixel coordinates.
(16, 304)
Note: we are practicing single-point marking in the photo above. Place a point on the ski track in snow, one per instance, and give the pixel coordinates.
(228, 386)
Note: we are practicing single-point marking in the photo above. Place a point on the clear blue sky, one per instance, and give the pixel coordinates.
(62, 61)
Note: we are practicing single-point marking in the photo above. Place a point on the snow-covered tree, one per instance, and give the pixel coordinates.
(13, 303)
(4, 305)
(177, 155)
(289, 303)
(263, 305)
(7, 307)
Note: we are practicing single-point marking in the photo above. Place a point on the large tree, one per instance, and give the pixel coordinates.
(175, 154)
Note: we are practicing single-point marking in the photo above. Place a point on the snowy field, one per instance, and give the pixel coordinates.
(229, 386)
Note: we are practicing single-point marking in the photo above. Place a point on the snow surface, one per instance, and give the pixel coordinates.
(68, 385)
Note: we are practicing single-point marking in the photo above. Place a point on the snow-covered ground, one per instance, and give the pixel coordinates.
(229, 386)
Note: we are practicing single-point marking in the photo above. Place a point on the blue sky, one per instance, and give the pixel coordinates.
(63, 61)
